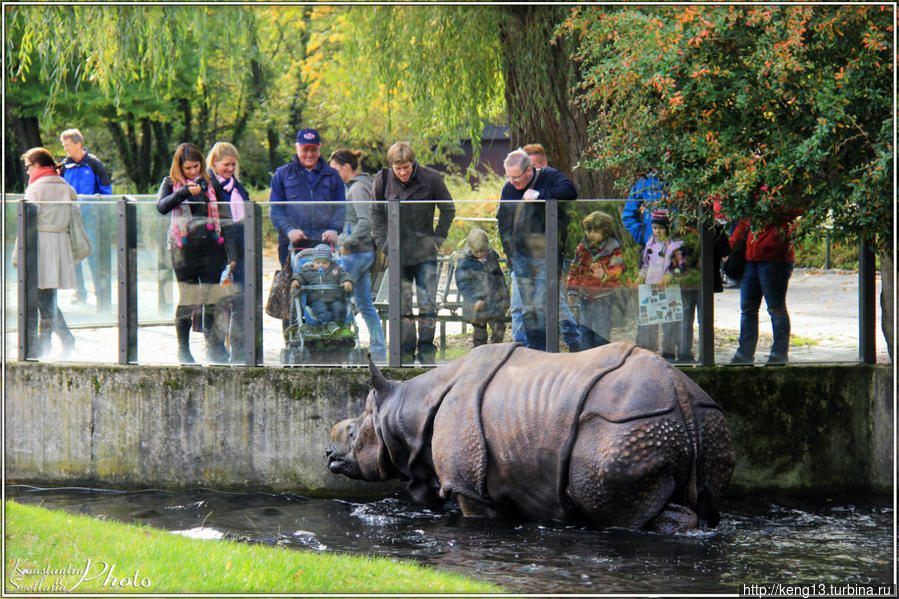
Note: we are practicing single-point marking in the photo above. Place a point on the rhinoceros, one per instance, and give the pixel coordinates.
(613, 436)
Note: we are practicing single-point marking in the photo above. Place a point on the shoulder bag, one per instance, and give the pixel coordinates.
(81, 244)
(278, 304)
(735, 264)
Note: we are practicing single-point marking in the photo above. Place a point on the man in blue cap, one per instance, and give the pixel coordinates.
(307, 198)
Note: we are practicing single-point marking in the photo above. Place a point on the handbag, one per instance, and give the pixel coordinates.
(81, 244)
(278, 304)
(735, 264)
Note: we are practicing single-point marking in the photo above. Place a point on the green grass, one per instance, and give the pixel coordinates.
(148, 560)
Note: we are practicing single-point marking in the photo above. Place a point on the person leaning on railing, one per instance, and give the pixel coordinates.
(522, 229)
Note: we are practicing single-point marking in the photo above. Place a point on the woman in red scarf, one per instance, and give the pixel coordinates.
(55, 268)
(201, 247)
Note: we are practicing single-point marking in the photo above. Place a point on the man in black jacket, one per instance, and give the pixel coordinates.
(522, 229)
(420, 190)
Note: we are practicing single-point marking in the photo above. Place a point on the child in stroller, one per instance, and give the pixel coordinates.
(321, 328)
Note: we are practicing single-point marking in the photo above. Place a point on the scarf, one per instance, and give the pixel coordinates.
(230, 185)
(42, 171)
(181, 218)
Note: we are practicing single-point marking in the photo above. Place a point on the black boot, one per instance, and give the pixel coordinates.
(182, 327)
(216, 351)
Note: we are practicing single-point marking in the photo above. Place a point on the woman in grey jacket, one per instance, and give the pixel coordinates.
(55, 267)
(356, 244)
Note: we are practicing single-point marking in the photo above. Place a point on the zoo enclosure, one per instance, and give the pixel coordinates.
(132, 220)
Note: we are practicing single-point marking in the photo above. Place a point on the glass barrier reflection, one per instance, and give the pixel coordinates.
(75, 316)
(10, 287)
(313, 293)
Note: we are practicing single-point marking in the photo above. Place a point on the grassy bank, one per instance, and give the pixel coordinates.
(53, 551)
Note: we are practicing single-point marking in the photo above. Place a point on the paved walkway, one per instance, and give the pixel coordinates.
(823, 309)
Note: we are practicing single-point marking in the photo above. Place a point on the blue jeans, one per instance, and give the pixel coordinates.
(424, 276)
(515, 309)
(531, 276)
(768, 280)
(324, 312)
(357, 266)
(568, 326)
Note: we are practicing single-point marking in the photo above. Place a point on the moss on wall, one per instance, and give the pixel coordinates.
(810, 428)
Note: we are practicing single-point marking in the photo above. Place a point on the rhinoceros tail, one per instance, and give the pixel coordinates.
(684, 402)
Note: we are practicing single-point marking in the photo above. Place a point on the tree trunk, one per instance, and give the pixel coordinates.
(887, 298)
(539, 76)
(26, 134)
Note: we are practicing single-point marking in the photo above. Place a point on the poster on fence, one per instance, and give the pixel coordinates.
(659, 303)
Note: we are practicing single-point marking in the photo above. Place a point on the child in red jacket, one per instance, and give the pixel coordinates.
(593, 278)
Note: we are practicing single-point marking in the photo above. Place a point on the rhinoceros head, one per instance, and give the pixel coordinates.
(356, 449)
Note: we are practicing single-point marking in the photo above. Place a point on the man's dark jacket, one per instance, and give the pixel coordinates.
(522, 225)
(419, 239)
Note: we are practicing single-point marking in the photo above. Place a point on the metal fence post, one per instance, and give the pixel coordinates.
(251, 352)
(867, 319)
(26, 260)
(126, 237)
(552, 275)
(706, 289)
(394, 320)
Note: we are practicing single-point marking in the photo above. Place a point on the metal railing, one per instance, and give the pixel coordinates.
(251, 350)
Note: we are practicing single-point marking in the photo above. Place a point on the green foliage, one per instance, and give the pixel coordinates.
(728, 99)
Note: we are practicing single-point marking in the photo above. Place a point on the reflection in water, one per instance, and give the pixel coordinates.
(759, 540)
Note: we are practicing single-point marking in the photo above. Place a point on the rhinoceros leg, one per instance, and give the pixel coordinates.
(625, 474)
(474, 508)
(674, 518)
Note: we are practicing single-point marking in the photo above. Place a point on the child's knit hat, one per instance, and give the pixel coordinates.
(321, 252)
(660, 217)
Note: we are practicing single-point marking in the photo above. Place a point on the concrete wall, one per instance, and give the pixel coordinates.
(816, 428)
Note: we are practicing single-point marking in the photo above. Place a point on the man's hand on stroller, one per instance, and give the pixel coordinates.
(294, 283)
(295, 235)
(347, 286)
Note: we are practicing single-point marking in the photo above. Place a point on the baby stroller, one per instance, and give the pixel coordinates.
(305, 340)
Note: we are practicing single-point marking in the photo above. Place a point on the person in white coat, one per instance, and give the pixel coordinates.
(55, 266)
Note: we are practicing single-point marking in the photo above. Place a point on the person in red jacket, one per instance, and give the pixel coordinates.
(594, 278)
(769, 265)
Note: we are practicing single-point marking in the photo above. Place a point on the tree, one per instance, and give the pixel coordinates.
(773, 107)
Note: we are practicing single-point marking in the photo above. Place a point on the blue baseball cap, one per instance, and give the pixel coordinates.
(308, 137)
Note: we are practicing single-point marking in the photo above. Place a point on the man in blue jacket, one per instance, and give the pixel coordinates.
(637, 213)
(308, 198)
(522, 230)
(88, 176)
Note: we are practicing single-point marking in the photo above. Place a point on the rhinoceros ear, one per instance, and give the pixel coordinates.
(378, 382)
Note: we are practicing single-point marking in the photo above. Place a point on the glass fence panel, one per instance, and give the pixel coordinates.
(10, 285)
(318, 321)
(452, 298)
(85, 329)
(74, 310)
(157, 292)
(813, 316)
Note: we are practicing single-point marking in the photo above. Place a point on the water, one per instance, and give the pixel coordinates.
(759, 540)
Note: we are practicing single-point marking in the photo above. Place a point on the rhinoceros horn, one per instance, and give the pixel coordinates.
(378, 382)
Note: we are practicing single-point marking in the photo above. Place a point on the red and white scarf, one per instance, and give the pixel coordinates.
(181, 217)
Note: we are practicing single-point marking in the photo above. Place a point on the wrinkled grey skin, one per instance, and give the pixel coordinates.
(613, 436)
